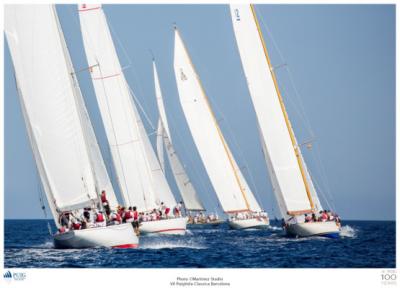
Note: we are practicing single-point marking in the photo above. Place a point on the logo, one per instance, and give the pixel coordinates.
(17, 276)
(389, 277)
(7, 275)
(237, 15)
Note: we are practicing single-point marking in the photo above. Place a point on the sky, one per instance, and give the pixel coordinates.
(336, 69)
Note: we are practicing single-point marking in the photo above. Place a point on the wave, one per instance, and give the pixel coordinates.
(348, 231)
(46, 245)
(275, 228)
(171, 244)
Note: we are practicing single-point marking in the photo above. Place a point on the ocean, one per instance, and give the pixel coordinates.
(361, 244)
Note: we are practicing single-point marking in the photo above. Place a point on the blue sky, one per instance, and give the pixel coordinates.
(341, 59)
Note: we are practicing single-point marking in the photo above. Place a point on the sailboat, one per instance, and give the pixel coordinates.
(233, 192)
(140, 178)
(191, 200)
(291, 181)
(63, 142)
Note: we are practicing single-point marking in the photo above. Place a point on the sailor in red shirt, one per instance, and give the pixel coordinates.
(100, 220)
(105, 203)
(121, 211)
(135, 222)
(128, 216)
(76, 225)
(115, 218)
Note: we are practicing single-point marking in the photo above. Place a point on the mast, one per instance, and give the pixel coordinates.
(52, 119)
(98, 168)
(227, 180)
(186, 189)
(140, 177)
(282, 154)
(285, 114)
(218, 128)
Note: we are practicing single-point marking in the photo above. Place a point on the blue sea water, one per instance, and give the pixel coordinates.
(361, 244)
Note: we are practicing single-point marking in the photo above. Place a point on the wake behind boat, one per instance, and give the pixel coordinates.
(62, 139)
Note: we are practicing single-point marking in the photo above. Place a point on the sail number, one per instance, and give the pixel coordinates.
(237, 15)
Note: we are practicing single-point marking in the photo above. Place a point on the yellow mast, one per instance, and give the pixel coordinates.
(221, 136)
(288, 125)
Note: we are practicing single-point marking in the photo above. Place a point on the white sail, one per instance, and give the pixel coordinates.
(186, 189)
(103, 182)
(48, 101)
(140, 177)
(160, 144)
(279, 150)
(253, 203)
(313, 191)
(229, 185)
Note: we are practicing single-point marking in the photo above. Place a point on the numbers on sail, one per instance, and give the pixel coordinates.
(183, 76)
(237, 15)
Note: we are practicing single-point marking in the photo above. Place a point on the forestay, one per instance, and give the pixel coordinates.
(140, 178)
(284, 168)
(186, 189)
(50, 107)
(228, 183)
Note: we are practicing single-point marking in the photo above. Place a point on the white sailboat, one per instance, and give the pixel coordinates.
(235, 196)
(140, 178)
(191, 200)
(292, 184)
(64, 146)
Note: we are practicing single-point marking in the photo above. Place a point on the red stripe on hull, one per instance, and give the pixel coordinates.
(126, 246)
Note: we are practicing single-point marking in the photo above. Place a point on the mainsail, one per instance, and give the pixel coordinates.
(289, 176)
(186, 189)
(140, 178)
(226, 178)
(58, 126)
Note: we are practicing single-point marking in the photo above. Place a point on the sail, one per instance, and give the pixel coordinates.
(46, 91)
(186, 189)
(140, 178)
(279, 149)
(103, 182)
(253, 203)
(214, 151)
(160, 145)
(313, 191)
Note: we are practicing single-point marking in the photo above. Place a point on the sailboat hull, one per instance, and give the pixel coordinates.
(172, 226)
(115, 236)
(253, 223)
(212, 223)
(327, 229)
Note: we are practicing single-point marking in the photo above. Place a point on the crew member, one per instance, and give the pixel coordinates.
(105, 203)
(135, 222)
(128, 215)
(100, 221)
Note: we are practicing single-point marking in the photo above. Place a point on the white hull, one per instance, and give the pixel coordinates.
(215, 222)
(257, 223)
(327, 229)
(172, 226)
(115, 236)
